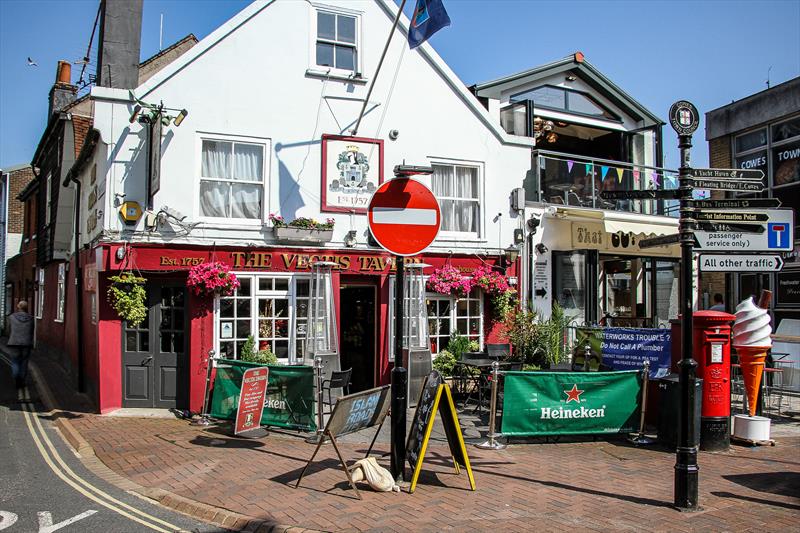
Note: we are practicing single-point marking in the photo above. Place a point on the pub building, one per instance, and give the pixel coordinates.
(227, 153)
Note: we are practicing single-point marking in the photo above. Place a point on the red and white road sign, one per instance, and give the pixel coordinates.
(251, 399)
(404, 216)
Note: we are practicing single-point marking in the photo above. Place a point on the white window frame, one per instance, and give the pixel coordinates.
(481, 201)
(61, 292)
(266, 144)
(40, 294)
(322, 70)
(49, 200)
(290, 294)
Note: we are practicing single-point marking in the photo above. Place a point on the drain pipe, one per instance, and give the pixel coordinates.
(78, 281)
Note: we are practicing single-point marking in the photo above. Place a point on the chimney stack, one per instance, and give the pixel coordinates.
(63, 92)
(120, 43)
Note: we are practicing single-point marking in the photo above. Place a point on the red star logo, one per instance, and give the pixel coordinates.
(574, 394)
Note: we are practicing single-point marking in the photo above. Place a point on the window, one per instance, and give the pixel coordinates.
(40, 294)
(273, 309)
(62, 282)
(447, 314)
(232, 179)
(49, 201)
(336, 44)
(561, 99)
(458, 190)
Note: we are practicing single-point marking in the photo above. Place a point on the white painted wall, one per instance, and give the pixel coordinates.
(249, 79)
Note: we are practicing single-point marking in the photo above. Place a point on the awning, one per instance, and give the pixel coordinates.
(645, 225)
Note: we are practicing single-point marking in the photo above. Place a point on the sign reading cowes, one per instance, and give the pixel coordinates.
(404, 216)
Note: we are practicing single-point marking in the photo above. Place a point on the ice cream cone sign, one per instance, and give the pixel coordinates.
(752, 341)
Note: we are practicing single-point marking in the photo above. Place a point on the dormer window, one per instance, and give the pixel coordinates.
(560, 99)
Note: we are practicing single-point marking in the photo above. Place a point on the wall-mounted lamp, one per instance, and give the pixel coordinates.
(519, 237)
(179, 118)
(350, 239)
(120, 254)
(570, 77)
(510, 255)
(136, 110)
(532, 224)
(541, 248)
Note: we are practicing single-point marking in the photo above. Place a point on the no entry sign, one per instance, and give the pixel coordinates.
(404, 216)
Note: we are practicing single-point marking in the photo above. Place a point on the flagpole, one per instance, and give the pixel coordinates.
(380, 64)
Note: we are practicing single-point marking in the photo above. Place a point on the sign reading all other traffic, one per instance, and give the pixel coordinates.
(404, 216)
(777, 235)
(741, 263)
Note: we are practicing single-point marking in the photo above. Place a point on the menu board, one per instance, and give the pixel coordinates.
(435, 396)
(359, 411)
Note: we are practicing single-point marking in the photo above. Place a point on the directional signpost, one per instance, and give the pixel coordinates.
(728, 174)
(737, 203)
(661, 194)
(741, 262)
(727, 185)
(775, 234)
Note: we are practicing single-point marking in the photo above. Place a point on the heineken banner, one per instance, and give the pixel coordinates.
(290, 394)
(628, 348)
(570, 403)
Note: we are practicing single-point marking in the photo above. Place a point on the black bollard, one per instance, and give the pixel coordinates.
(398, 433)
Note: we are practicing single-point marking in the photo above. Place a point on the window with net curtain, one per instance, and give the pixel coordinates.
(232, 179)
(458, 190)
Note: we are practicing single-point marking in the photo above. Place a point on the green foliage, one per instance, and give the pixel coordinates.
(248, 349)
(536, 341)
(444, 362)
(127, 296)
(459, 345)
(503, 303)
(474, 346)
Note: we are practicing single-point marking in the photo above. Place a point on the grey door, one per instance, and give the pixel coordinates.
(154, 362)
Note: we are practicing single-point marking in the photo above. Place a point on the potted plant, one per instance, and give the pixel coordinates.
(127, 296)
(302, 229)
(213, 278)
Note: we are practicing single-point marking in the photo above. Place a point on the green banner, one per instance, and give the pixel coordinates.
(570, 403)
(290, 394)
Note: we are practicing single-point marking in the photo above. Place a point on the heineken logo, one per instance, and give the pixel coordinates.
(573, 395)
(275, 404)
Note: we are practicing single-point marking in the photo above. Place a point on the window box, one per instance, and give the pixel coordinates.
(289, 234)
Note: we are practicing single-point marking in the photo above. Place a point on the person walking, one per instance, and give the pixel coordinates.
(21, 340)
(719, 303)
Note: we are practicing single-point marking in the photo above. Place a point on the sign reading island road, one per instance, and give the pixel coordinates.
(741, 263)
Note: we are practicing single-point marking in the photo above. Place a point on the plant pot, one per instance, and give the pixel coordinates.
(289, 234)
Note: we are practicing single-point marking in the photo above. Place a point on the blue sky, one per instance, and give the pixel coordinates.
(709, 52)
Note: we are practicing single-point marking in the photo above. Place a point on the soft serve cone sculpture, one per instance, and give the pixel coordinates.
(751, 338)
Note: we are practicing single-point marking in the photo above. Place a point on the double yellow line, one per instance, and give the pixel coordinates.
(60, 468)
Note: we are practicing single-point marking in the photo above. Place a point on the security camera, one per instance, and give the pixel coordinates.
(532, 224)
(172, 213)
(394, 134)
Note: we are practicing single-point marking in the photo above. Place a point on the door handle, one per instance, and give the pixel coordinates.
(147, 360)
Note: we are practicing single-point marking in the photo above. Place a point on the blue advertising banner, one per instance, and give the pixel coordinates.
(629, 348)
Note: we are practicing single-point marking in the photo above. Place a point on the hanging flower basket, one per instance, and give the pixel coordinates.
(495, 285)
(449, 280)
(212, 279)
(127, 296)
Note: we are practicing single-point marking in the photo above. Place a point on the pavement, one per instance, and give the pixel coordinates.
(570, 484)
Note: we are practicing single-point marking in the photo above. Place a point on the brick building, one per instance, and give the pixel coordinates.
(12, 181)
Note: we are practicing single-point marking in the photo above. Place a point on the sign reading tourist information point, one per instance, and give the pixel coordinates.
(251, 399)
(741, 263)
(404, 216)
(777, 234)
(683, 117)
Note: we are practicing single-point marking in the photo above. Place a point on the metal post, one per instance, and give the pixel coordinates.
(492, 444)
(318, 437)
(205, 419)
(641, 438)
(399, 381)
(686, 469)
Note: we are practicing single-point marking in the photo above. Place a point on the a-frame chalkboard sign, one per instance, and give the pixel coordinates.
(436, 396)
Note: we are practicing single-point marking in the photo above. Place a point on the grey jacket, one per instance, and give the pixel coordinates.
(21, 329)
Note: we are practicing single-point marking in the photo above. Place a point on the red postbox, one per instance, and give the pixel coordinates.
(711, 344)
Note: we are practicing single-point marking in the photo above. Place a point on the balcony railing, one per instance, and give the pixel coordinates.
(573, 180)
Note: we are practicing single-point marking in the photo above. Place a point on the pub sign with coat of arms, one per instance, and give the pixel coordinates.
(352, 168)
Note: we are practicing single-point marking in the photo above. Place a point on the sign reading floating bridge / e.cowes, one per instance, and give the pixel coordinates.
(570, 403)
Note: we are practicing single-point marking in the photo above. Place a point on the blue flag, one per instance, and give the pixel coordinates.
(429, 17)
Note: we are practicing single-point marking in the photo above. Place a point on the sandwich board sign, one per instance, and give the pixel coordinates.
(404, 216)
(436, 396)
(251, 399)
(776, 234)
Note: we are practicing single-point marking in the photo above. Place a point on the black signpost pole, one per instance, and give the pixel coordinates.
(399, 380)
(684, 119)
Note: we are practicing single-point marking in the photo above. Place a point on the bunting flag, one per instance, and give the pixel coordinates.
(654, 176)
(635, 175)
(588, 167)
(569, 165)
(604, 171)
(620, 172)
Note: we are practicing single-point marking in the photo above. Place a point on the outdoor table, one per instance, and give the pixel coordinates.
(483, 364)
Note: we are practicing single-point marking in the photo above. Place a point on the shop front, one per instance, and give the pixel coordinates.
(162, 360)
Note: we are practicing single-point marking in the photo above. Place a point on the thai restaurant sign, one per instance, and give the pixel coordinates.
(594, 236)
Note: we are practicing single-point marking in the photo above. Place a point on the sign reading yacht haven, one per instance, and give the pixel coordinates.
(352, 169)
(570, 403)
(728, 173)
